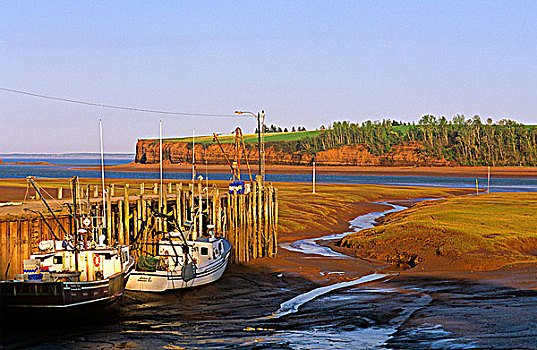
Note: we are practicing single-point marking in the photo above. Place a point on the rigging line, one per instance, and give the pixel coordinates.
(114, 106)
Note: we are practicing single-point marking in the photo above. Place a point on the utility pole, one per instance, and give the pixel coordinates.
(313, 178)
(263, 148)
(259, 140)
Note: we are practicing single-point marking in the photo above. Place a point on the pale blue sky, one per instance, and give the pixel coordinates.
(305, 62)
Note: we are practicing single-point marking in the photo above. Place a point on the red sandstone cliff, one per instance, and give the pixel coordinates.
(147, 152)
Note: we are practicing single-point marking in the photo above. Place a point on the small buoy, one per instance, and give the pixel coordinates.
(280, 275)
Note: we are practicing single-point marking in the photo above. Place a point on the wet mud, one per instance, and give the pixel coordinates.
(410, 309)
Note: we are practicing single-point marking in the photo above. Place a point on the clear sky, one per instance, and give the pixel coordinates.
(304, 62)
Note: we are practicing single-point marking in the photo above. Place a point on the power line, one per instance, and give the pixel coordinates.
(113, 106)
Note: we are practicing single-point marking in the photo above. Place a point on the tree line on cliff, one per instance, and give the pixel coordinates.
(464, 141)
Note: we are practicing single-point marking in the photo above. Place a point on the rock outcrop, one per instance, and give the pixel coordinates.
(173, 152)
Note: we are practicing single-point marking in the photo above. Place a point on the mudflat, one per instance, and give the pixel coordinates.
(431, 305)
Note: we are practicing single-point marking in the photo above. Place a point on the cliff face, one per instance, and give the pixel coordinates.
(147, 152)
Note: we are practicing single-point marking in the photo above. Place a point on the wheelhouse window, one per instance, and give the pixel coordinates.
(204, 251)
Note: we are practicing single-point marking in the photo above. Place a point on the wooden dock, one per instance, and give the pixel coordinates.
(248, 221)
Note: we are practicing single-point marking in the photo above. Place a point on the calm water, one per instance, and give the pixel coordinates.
(44, 171)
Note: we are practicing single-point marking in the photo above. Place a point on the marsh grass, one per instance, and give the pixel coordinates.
(482, 232)
(300, 210)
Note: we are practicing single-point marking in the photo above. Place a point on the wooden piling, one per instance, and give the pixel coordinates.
(126, 217)
(108, 215)
(249, 221)
(275, 221)
(178, 196)
(121, 223)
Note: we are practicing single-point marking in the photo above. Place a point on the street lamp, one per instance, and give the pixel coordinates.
(260, 140)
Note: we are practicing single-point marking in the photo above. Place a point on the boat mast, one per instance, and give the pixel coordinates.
(161, 189)
(192, 216)
(193, 155)
(102, 171)
(74, 181)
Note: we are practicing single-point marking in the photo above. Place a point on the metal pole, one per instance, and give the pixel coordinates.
(259, 140)
(193, 155)
(263, 147)
(160, 146)
(313, 177)
(102, 171)
(488, 182)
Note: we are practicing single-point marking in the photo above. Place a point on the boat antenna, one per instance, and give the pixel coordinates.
(102, 171)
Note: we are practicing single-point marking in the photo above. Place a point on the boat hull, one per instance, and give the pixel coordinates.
(160, 281)
(43, 295)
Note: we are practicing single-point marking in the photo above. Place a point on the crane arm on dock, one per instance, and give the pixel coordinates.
(225, 155)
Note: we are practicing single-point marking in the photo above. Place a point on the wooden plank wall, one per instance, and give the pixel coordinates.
(249, 221)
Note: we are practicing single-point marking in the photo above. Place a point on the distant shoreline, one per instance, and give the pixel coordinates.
(464, 172)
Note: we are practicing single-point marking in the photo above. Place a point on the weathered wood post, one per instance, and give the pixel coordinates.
(218, 213)
(260, 235)
(108, 216)
(251, 218)
(254, 220)
(276, 213)
(213, 206)
(96, 191)
(127, 230)
(139, 218)
(142, 189)
(191, 195)
(178, 196)
(145, 218)
(184, 205)
(112, 190)
(229, 226)
(165, 210)
(267, 241)
(60, 193)
(121, 223)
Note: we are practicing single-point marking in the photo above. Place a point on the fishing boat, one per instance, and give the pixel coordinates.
(181, 263)
(62, 276)
(183, 258)
(79, 269)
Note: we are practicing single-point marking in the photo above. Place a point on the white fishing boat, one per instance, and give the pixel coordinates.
(181, 264)
(60, 276)
(78, 270)
(181, 259)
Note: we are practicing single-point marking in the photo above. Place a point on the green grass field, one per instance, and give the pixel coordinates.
(248, 138)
